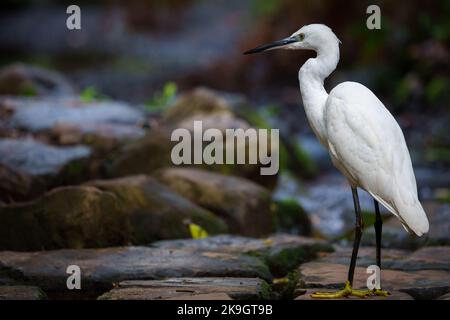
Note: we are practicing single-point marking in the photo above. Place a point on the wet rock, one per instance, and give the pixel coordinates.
(366, 256)
(66, 217)
(195, 288)
(205, 296)
(445, 297)
(395, 236)
(198, 102)
(101, 268)
(394, 295)
(143, 156)
(291, 217)
(35, 158)
(245, 205)
(44, 113)
(154, 211)
(214, 112)
(20, 79)
(422, 284)
(16, 185)
(21, 293)
(427, 258)
(281, 252)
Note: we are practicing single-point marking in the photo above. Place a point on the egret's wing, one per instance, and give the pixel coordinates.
(368, 143)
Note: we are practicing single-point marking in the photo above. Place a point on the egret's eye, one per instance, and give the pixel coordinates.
(301, 36)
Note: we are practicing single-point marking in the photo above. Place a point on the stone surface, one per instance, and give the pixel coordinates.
(236, 288)
(245, 205)
(366, 256)
(16, 185)
(37, 114)
(100, 213)
(445, 297)
(394, 295)
(195, 103)
(35, 158)
(282, 253)
(21, 293)
(423, 284)
(155, 212)
(427, 258)
(205, 296)
(20, 79)
(66, 217)
(101, 268)
(142, 156)
(214, 112)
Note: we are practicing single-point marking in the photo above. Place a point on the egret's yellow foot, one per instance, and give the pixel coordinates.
(381, 293)
(346, 292)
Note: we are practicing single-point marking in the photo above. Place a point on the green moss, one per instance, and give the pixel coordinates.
(289, 216)
(266, 291)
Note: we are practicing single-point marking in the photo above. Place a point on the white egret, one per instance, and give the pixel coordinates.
(363, 139)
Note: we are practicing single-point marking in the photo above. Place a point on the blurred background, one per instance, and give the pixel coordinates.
(137, 58)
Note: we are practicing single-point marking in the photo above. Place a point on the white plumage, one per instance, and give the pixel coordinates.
(364, 141)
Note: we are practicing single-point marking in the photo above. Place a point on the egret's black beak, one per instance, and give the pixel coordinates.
(272, 45)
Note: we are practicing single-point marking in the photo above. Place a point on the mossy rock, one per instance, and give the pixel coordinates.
(290, 217)
(155, 212)
(243, 204)
(66, 217)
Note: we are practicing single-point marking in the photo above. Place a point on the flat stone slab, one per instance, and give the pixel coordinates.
(282, 252)
(35, 158)
(205, 296)
(394, 295)
(423, 284)
(101, 268)
(236, 288)
(36, 114)
(17, 292)
(426, 258)
(366, 256)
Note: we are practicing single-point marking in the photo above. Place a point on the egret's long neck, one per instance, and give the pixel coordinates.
(311, 76)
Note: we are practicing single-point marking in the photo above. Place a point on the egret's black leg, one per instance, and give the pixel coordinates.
(378, 229)
(348, 290)
(359, 225)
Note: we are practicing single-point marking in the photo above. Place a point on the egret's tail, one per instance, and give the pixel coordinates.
(413, 217)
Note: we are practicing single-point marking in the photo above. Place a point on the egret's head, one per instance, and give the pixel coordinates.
(317, 37)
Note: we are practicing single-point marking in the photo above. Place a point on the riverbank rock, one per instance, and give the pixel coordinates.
(101, 213)
(36, 114)
(66, 217)
(101, 268)
(142, 156)
(421, 274)
(154, 211)
(35, 158)
(18, 186)
(21, 293)
(199, 288)
(281, 252)
(21, 79)
(245, 205)
(29, 167)
(214, 112)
